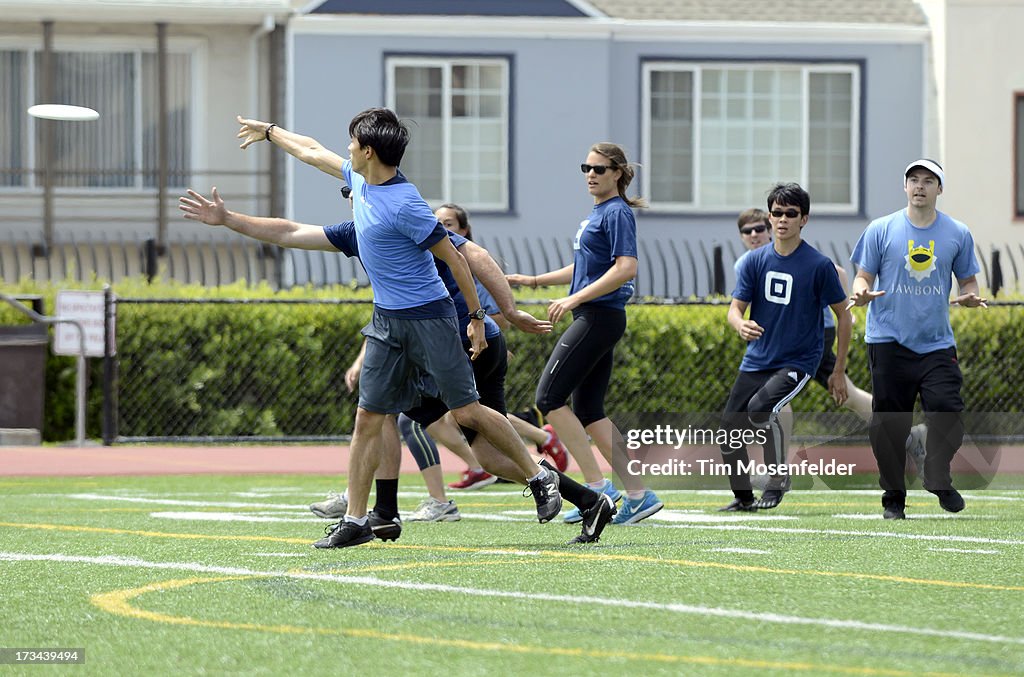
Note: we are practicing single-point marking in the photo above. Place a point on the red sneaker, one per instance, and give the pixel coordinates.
(555, 449)
(473, 479)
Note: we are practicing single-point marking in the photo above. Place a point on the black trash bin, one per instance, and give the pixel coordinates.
(23, 372)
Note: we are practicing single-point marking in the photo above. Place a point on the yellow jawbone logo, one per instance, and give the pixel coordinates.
(920, 260)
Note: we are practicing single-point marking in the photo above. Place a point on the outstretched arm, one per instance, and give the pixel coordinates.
(446, 251)
(304, 148)
(560, 276)
(281, 232)
(485, 269)
(862, 294)
(969, 294)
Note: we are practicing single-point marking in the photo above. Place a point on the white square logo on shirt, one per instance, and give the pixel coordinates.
(778, 287)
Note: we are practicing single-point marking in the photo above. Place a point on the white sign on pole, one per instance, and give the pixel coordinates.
(87, 308)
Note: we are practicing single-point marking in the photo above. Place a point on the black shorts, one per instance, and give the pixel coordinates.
(828, 358)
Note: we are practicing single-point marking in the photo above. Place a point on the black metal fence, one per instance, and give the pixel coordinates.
(273, 370)
(671, 268)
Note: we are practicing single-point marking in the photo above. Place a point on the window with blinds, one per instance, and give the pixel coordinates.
(718, 136)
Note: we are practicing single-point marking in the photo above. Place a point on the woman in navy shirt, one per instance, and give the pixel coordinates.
(601, 276)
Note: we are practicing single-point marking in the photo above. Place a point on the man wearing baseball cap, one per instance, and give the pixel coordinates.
(905, 264)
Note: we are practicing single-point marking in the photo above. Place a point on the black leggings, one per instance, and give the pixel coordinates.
(581, 363)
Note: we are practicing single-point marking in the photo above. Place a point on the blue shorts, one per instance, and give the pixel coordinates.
(400, 352)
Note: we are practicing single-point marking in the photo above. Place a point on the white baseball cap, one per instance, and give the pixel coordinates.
(931, 165)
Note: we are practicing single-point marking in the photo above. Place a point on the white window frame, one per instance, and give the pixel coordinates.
(194, 47)
(446, 63)
(805, 69)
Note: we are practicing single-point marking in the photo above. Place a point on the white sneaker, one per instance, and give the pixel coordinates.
(916, 444)
(332, 507)
(433, 510)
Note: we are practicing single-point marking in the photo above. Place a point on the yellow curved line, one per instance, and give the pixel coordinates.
(118, 603)
(560, 554)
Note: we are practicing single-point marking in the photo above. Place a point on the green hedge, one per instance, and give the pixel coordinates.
(278, 370)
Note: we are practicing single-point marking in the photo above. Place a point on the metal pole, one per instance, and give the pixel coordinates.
(46, 141)
(162, 131)
(109, 391)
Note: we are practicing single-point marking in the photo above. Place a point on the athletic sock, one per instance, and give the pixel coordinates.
(572, 491)
(596, 486)
(635, 495)
(386, 506)
(361, 521)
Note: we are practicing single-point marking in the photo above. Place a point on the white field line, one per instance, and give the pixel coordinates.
(966, 552)
(371, 581)
(730, 526)
(226, 517)
(915, 516)
(191, 504)
(741, 551)
(690, 525)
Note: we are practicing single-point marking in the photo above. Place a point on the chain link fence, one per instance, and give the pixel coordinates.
(274, 370)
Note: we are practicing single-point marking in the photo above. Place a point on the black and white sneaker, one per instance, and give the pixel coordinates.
(385, 529)
(345, 534)
(595, 520)
(770, 498)
(739, 505)
(545, 494)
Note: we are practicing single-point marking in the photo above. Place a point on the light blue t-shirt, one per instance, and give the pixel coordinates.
(915, 267)
(609, 232)
(786, 296)
(394, 227)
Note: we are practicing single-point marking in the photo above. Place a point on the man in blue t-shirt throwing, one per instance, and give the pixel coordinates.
(414, 329)
(785, 285)
(906, 262)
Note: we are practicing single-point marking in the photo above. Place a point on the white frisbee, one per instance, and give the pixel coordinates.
(60, 111)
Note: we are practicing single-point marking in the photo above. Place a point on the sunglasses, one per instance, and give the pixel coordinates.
(346, 192)
(789, 213)
(598, 169)
(760, 228)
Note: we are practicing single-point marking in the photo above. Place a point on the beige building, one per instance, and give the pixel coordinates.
(978, 133)
(168, 78)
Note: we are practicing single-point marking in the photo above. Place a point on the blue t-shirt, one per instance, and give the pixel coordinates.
(786, 296)
(343, 236)
(915, 266)
(608, 232)
(491, 328)
(395, 227)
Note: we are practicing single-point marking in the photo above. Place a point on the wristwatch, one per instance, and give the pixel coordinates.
(478, 314)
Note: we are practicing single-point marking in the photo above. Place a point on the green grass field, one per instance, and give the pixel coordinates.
(215, 575)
